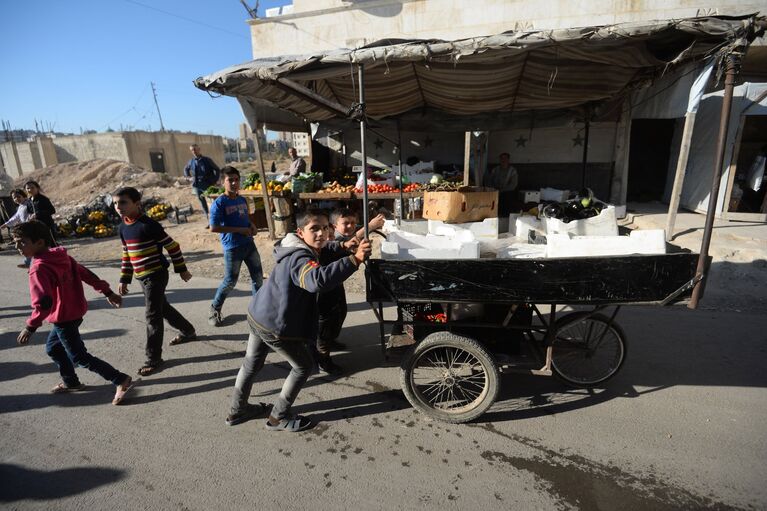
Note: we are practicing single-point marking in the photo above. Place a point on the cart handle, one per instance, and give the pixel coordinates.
(685, 287)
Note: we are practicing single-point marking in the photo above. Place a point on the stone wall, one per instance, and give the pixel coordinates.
(10, 158)
(29, 157)
(174, 148)
(89, 147)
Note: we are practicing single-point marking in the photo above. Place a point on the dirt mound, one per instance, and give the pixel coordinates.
(70, 185)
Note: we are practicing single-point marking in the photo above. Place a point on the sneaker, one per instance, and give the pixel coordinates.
(250, 412)
(334, 345)
(215, 318)
(327, 366)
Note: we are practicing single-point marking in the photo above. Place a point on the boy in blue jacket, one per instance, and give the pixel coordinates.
(283, 316)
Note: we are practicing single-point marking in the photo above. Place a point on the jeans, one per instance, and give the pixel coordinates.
(66, 348)
(233, 259)
(332, 309)
(157, 309)
(295, 352)
(203, 202)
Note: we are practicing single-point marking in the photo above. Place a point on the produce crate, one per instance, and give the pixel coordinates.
(303, 185)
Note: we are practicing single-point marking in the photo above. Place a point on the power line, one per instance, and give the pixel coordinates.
(190, 20)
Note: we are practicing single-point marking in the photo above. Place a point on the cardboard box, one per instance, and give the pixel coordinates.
(468, 204)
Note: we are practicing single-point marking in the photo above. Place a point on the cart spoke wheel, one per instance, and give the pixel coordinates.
(450, 378)
(587, 350)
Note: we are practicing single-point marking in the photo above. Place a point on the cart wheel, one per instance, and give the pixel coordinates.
(450, 378)
(586, 351)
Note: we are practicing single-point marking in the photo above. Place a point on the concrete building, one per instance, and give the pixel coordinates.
(157, 151)
(307, 26)
(549, 156)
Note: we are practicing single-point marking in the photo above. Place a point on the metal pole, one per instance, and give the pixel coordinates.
(401, 185)
(703, 259)
(585, 150)
(365, 215)
(154, 93)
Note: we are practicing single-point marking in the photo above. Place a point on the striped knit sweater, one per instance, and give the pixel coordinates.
(143, 240)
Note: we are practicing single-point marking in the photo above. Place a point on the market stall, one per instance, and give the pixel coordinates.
(448, 283)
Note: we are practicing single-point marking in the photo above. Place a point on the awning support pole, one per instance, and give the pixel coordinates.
(585, 148)
(703, 259)
(313, 97)
(401, 184)
(681, 169)
(264, 191)
(365, 214)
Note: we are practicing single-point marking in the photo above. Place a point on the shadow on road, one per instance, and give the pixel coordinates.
(8, 339)
(20, 483)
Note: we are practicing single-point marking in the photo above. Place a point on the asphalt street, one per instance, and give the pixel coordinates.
(682, 426)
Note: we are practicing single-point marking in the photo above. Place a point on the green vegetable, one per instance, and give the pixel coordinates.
(214, 190)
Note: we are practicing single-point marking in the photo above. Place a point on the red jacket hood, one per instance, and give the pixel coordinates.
(56, 288)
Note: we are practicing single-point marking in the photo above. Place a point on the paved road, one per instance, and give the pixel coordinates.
(682, 426)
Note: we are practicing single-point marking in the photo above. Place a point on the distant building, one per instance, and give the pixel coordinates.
(165, 151)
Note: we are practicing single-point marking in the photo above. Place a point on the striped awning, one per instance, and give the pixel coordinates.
(500, 74)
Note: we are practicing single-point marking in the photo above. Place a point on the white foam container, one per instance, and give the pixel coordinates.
(405, 245)
(651, 241)
(604, 224)
(486, 229)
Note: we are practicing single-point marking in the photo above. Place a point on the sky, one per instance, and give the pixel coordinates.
(88, 64)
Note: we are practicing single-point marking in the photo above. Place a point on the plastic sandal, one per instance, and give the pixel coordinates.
(291, 425)
(62, 388)
(149, 368)
(183, 338)
(250, 412)
(122, 389)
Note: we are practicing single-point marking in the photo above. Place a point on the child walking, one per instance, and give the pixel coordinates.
(229, 217)
(332, 304)
(23, 214)
(56, 286)
(42, 208)
(283, 316)
(142, 242)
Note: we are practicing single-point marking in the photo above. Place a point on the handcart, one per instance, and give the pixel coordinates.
(470, 320)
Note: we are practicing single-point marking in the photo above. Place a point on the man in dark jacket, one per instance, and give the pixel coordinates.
(203, 173)
(283, 316)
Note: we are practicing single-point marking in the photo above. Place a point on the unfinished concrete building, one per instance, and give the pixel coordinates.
(157, 151)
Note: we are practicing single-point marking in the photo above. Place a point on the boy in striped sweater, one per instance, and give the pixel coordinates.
(142, 242)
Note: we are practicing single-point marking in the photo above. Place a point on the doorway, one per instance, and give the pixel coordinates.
(748, 191)
(649, 152)
(158, 161)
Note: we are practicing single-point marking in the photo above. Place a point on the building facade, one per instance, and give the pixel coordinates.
(157, 151)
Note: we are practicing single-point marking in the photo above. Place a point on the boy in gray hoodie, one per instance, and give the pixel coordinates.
(283, 316)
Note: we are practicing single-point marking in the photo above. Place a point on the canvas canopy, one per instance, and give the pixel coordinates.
(478, 80)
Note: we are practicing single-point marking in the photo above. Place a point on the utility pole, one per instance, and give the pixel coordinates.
(154, 93)
(252, 12)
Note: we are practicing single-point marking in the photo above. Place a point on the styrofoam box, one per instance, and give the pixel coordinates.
(487, 228)
(604, 224)
(522, 251)
(413, 226)
(554, 194)
(522, 224)
(405, 245)
(651, 241)
(531, 196)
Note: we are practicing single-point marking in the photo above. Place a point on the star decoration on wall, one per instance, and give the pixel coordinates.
(378, 143)
(521, 141)
(578, 140)
(427, 141)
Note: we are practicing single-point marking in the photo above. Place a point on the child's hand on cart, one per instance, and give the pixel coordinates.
(363, 251)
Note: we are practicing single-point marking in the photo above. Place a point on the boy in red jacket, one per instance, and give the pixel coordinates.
(56, 286)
